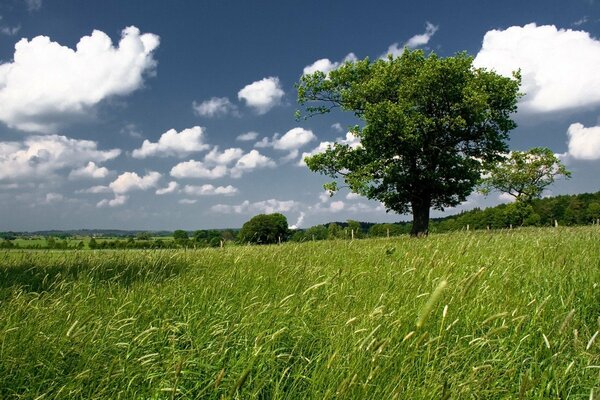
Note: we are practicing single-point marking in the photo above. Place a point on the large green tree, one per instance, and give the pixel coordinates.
(265, 229)
(429, 127)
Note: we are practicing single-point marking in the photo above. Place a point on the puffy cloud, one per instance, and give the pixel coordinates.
(53, 198)
(336, 206)
(197, 169)
(291, 141)
(214, 107)
(171, 187)
(416, 41)
(47, 82)
(325, 65)
(95, 189)
(294, 139)
(350, 140)
(119, 200)
(247, 137)
(352, 196)
(129, 181)
(223, 158)
(209, 190)
(337, 127)
(91, 170)
(262, 95)
(265, 206)
(187, 201)
(251, 161)
(173, 143)
(584, 143)
(41, 156)
(559, 67)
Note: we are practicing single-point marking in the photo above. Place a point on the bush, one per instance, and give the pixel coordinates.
(265, 229)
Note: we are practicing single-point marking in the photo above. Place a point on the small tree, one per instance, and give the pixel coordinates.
(264, 229)
(180, 235)
(525, 174)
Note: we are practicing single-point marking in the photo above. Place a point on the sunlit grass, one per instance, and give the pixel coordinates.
(517, 317)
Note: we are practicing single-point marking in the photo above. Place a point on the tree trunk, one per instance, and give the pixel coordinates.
(420, 210)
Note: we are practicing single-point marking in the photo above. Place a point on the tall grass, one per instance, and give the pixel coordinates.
(486, 315)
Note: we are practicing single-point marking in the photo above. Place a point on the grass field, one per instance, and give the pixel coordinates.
(485, 315)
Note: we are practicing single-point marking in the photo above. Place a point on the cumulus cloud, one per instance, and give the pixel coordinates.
(291, 141)
(223, 158)
(266, 206)
(353, 196)
(173, 143)
(214, 107)
(251, 161)
(559, 67)
(90, 171)
(40, 156)
(187, 201)
(350, 140)
(337, 127)
(171, 187)
(325, 65)
(209, 190)
(422, 39)
(95, 190)
(247, 137)
(53, 198)
(584, 143)
(262, 95)
(119, 200)
(47, 82)
(197, 169)
(129, 181)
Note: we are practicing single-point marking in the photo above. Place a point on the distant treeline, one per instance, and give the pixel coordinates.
(566, 210)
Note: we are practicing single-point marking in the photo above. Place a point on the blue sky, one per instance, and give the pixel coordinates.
(167, 115)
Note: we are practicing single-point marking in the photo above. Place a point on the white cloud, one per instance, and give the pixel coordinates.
(353, 196)
(172, 143)
(325, 65)
(559, 67)
(584, 143)
(214, 107)
(10, 30)
(171, 187)
(33, 5)
(299, 221)
(247, 137)
(416, 41)
(267, 207)
(350, 140)
(53, 198)
(197, 169)
(119, 200)
(506, 198)
(336, 206)
(262, 95)
(251, 161)
(47, 82)
(209, 190)
(226, 157)
(129, 181)
(187, 201)
(95, 189)
(337, 127)
(90, 171)
(294, 139)
(41, 156)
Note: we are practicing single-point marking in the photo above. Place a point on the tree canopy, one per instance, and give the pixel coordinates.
(430, 125)
(525, 174)
(264, 229)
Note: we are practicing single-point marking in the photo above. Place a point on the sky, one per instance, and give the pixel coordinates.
(180, 115)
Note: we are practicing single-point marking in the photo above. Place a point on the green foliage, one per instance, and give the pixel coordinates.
(316, 320)
(525, 174)
(264, 229)
(431, 125)
(180, 235)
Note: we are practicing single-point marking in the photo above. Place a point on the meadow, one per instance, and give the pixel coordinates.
(466, 315)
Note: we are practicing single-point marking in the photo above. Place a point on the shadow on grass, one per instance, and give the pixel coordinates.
(43, 274)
